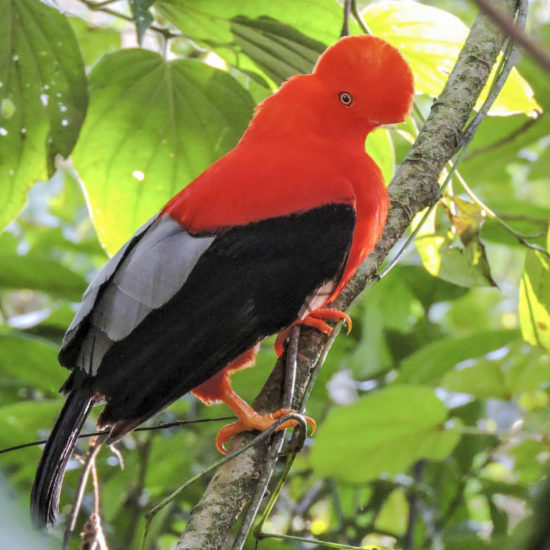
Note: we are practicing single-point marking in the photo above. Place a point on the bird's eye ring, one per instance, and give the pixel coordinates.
(346, 98)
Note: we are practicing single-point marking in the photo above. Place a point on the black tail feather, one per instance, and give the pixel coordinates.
(51, 469)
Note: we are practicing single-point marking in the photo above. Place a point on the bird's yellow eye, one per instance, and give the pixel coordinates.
(346, 98)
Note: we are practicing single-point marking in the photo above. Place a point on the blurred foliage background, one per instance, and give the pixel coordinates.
(433, 414)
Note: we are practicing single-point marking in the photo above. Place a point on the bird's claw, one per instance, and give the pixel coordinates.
(260, 422)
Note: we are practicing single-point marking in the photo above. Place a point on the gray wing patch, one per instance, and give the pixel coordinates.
(157, 268)
(106, 272)
(145, 279)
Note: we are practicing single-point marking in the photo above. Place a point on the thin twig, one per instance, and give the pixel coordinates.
(277, 443)
(345, 24)
(506, 139)
(358, 18)
(293, 444)
(176, 423)
(506, 24)
(301, 424)
(95, 446)
(491, 214)
(322, 543)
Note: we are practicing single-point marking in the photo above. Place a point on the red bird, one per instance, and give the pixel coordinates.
(264, 238)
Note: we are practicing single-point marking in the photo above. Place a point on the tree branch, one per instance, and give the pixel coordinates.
(414, 187)
(506, 23)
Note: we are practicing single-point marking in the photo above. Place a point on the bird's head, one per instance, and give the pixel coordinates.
(359, 83)
(365, 79)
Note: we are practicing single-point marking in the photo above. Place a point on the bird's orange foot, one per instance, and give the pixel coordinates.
(257, 421)
(315, 320)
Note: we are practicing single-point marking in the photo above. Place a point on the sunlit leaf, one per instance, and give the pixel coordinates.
(152, 126)
(534, 300)
(358, 443)
(430, 39)
(43, 97)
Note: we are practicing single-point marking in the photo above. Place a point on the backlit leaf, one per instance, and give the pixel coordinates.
(430, 39)
(152, 126)
(534, 300)
(281, 38)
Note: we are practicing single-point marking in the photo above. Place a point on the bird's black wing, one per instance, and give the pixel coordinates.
(221, 294)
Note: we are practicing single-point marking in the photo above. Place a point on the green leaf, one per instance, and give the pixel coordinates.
(430, 362)
(152, 126)
(430, 39)
(534, 300)
(30, 361)
(383, 433)
(43, 97)
(43, 274)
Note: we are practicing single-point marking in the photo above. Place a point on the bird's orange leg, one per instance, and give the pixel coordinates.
(315, 320)
(249, 419)
(218, 388)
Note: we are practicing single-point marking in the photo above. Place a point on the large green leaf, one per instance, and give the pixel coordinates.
(280, 38)
(383, 433)
(43, 97)
(152, 126)
(43, 274)
(430, 39)
(430, 362)
(31, 361)
(534, 300)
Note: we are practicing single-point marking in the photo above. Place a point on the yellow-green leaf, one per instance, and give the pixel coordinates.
(430, 39)
(534, 300)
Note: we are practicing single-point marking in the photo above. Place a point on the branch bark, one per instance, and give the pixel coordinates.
(414, 187)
